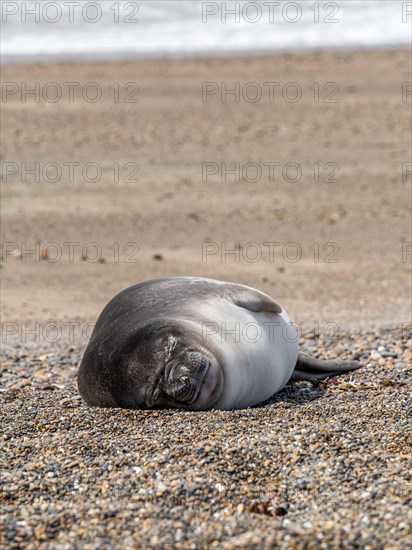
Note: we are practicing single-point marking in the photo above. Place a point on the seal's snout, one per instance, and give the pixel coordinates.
(183, 390)
(196, 362)
(185, 375)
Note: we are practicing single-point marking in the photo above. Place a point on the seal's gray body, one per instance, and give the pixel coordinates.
(193, 343)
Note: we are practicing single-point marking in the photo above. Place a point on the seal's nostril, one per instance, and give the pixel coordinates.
(183, 389)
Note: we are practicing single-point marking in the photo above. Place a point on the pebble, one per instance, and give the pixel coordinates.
(407, 355)
(319, 465)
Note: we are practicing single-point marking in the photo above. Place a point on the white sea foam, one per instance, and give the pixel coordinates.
(183, 27)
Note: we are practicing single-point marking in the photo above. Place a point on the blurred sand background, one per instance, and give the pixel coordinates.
(170, 212)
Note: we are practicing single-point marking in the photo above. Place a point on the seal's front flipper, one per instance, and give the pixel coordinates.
(253, 300)
(309, 368)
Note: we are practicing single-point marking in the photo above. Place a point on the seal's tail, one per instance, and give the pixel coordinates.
(309, 368)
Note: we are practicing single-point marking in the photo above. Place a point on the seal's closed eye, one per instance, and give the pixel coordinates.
(152, 396)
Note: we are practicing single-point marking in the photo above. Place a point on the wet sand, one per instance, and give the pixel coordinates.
(335, 249)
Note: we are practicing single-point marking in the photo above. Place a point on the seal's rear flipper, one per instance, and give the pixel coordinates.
(309, 368)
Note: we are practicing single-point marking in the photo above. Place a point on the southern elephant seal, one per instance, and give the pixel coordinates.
(196, 344)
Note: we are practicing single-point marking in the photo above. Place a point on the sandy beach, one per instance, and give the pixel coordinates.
(290, 173)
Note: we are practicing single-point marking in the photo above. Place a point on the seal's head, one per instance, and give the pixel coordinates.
(162, 365)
